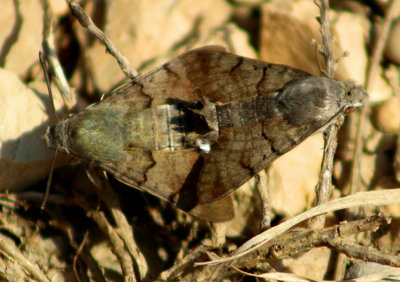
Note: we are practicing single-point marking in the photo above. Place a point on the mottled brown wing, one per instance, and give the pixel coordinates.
(237, 156)
(242, 152)
(224, 77)
(189, 177)
(208, 72)
(170, 176)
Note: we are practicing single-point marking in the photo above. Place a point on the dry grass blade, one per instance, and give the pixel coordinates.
(386, 274)
(377, 198)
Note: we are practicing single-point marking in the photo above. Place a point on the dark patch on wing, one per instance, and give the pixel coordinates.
(169, 71)
(260, 83)
(188, 196)
(271, 144)
(240, 61)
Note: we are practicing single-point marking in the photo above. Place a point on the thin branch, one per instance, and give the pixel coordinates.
(53, 114)
(87, 22)
(353, 250)
(12, 252)
(323, 187)
(326, 38)
(261, 185)
(372, 73)
(300, 241)
(123, 228)
(361, 118)
(51, 56)
(79, 251)
(376, 198)
(118, 245)
(68, 229)
(380, 43)
(218, 234)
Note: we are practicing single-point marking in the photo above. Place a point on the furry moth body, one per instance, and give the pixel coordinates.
(196, 128)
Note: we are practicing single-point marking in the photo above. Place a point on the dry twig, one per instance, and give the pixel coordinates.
(12, 252)
(323, 187)
(123, 228)
(360, 119)
(117, 244)
(87, 22)
(67, 228)
(387, 197)
(300, 241)
(353, 250)
(372, 72)
(51, 56)
(261, 185)
(118, 247)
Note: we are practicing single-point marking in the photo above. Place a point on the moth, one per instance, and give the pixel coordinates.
(199, 126)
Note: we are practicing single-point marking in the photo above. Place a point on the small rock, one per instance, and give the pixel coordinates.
(387, 116)
(393, 43)
(362, 268)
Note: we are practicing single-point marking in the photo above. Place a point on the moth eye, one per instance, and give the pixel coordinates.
(348, 93)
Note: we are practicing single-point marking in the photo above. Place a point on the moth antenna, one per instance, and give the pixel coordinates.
(54, 120)
(49, 180)
(47, 79)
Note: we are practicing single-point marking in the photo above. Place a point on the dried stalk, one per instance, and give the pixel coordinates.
(323, 187)
(87, 22)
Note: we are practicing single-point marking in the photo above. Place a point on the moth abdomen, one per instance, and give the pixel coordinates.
(169, 127)
(246, 112)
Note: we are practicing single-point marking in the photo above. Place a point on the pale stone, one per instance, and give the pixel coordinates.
(20, 34)
(148, 32)
(393, 42)
(291, 179)
(24, 156)
(387, 117)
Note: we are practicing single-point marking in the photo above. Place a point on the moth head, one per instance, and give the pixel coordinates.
(318, 100)
(353, 96)
(54, 137)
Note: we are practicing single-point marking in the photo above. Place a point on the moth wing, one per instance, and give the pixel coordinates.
(224, 77)
(186, 177)
(241, 152)
(169, 176)
(236, 157)
(218, 211)
(207, 72)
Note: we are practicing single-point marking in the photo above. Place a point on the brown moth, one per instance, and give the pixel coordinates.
(196, 128)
